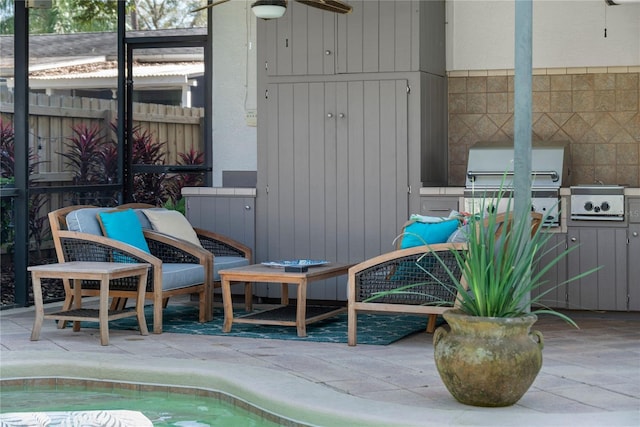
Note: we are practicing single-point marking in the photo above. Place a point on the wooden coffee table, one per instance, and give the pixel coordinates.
(281, 315)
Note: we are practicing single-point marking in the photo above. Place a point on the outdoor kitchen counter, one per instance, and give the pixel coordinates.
(612, 245)
(459, 191)
(440, 201)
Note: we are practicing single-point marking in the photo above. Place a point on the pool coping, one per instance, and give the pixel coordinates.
(279, 392)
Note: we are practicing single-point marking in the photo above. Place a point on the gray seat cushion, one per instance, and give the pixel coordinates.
(144, 221)
(224, 262)
(176, 276)
(85, 220)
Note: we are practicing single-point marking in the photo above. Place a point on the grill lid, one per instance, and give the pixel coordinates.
(492, 161)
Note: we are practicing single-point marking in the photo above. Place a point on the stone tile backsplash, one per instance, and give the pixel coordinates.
(597, 112)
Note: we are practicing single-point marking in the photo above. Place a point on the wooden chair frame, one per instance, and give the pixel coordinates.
(178, 248)
(395, 259)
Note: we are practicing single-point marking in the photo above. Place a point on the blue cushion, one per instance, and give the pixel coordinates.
(427, 233)
(123, 225)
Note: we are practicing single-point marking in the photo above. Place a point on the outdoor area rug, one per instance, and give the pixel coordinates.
(376, 329)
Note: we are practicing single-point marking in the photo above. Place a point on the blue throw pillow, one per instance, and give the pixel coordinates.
(427, 233)
(123, 225)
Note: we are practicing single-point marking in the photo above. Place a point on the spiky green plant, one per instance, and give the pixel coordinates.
(500, 273)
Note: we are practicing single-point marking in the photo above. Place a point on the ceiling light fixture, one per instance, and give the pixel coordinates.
(269, 9)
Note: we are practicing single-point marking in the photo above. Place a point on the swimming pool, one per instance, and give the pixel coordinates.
(164, 406)
(297, 400)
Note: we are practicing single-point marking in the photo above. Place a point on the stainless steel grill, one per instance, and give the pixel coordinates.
(491, 166)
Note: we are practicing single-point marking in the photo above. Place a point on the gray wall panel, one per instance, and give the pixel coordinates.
(371, 36)
(403, 19)
(374, 171)
(299, 42)
(331, 213)
(354, 178)
(432, 37)
(387, 25)
(302, 176)
(284, 56)
(354, 38)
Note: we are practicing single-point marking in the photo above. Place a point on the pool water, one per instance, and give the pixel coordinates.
(162, 408)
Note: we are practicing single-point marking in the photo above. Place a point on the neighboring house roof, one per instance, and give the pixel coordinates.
(88, 60)
(105, 75)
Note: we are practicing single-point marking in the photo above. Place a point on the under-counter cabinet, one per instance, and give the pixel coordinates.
(633, 216)
(606, 289)
(232, 216)
(553, 293)
(634, 267)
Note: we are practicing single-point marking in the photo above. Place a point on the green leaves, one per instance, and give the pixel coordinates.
(502, 269)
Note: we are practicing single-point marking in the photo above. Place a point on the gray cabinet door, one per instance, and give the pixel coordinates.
(377, 36)
(605, 289)
(634, 267)
(302, 42)
(552, 293)
(231, 216)
(336, 175)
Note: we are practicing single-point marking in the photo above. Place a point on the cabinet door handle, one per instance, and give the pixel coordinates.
(329, 115)
(247, 207)
(634, 234)
(573, 239)
(341, 115)
(327, 52)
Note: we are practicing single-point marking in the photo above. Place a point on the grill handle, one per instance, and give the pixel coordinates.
(473, 174)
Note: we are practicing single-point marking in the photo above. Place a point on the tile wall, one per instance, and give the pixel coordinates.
(596, 110)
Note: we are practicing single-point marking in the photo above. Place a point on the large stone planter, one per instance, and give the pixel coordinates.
(487, 361)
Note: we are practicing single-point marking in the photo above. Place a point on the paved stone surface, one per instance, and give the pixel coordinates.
(591, 370)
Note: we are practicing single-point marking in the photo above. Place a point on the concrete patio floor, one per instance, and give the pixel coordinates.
(590, 376)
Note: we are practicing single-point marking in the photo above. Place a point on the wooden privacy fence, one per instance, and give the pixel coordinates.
(52, 118)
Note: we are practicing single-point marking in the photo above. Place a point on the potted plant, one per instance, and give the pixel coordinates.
(488, 355)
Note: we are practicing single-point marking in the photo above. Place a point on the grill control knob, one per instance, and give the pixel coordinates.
(588, 206)
(605, 206)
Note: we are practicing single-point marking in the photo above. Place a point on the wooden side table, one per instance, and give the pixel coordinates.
(101, 271)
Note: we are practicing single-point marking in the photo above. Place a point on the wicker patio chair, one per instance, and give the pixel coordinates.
(227, 252)
(399, 268)
(177, 267)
